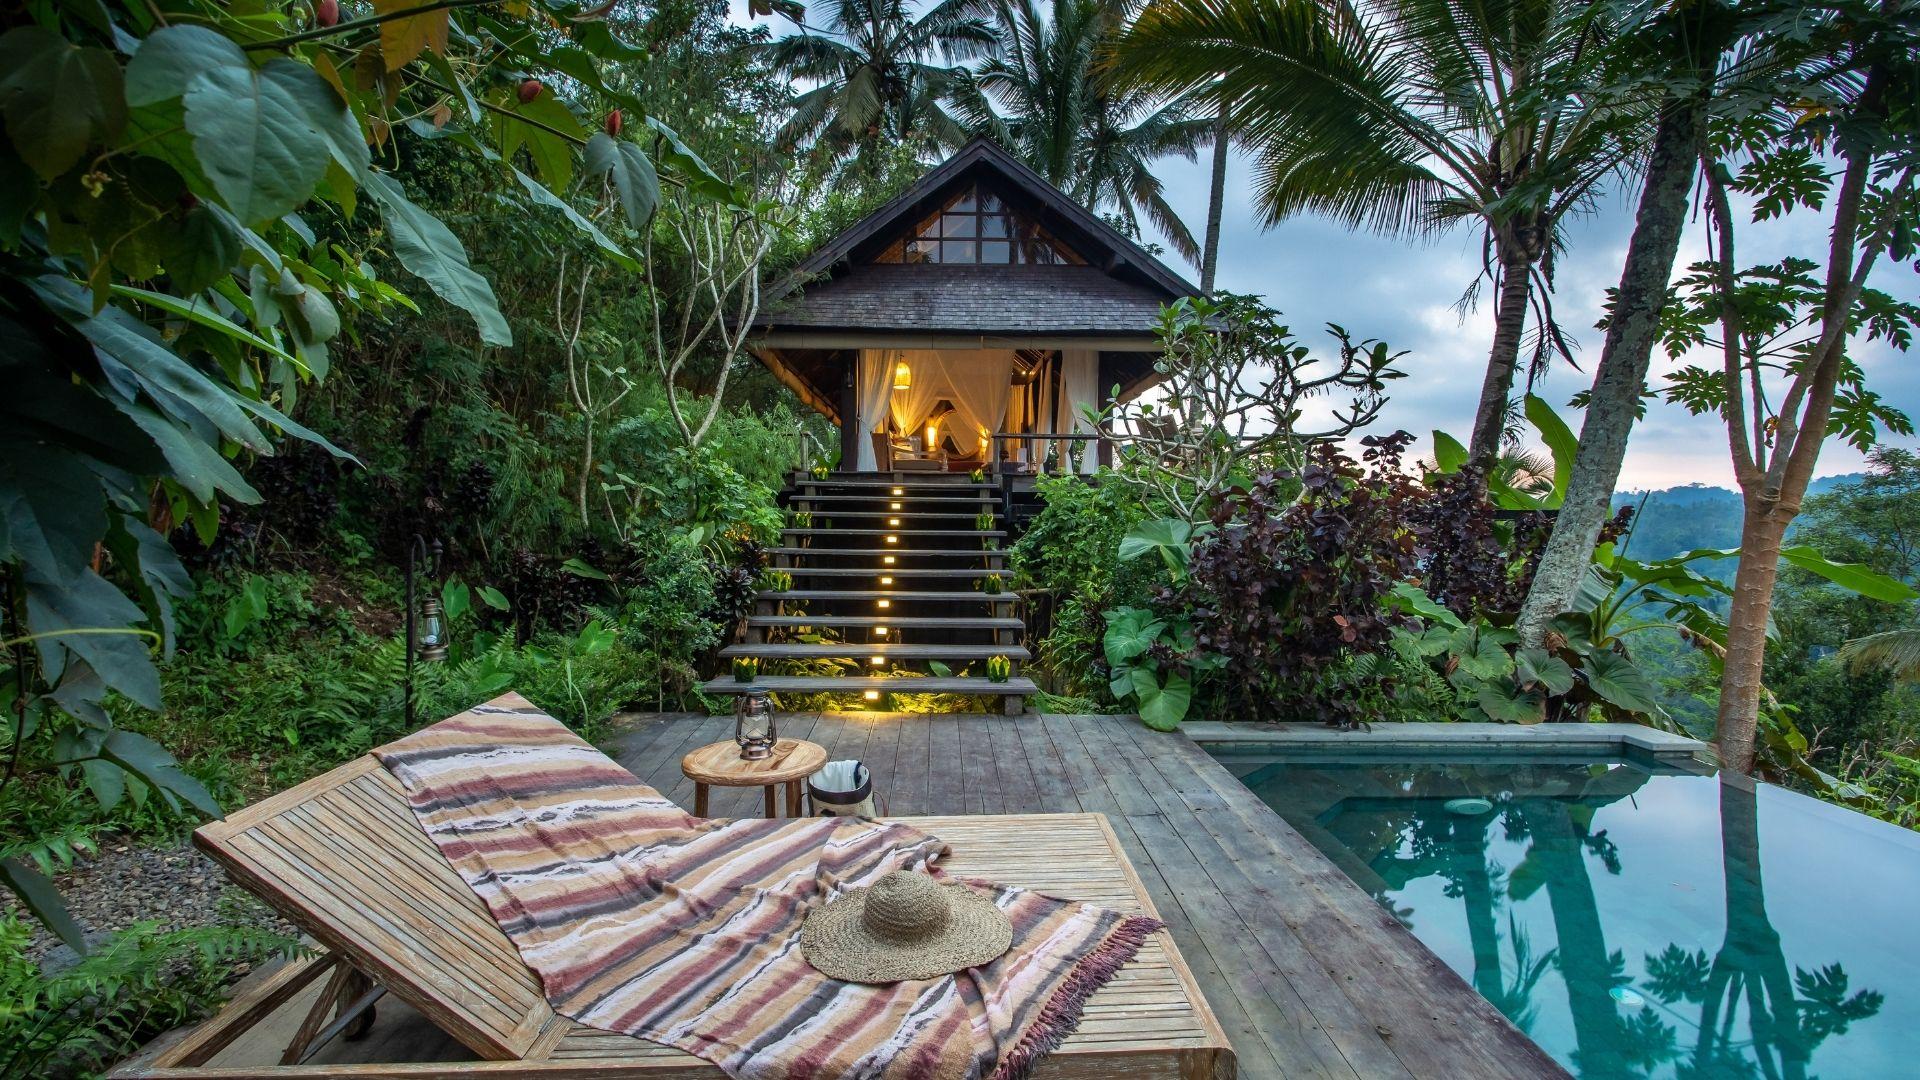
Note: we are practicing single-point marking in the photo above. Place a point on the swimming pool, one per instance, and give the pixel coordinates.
(1635, 919)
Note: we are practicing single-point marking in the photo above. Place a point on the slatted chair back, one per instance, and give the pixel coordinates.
(344, 858)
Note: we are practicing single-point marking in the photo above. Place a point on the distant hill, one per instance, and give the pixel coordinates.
(1676, 519)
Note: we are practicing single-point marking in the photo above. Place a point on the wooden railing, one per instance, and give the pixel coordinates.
(1042, 438)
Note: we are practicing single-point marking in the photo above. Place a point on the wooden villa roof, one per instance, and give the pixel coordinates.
(1112, 288)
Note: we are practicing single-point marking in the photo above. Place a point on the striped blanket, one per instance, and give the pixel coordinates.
(640, 918)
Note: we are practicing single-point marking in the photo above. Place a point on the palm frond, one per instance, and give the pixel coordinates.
(1894, 651)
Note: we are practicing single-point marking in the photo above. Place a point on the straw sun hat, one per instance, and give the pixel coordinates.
(906, 926)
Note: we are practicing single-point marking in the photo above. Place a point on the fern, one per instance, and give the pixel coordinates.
(139, 982)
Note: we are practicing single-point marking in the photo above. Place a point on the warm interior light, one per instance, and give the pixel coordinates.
(933, 435)
(902, 376)
(872, 695)
(985, 438)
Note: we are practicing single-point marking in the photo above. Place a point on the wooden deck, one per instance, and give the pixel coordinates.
(1307, 974)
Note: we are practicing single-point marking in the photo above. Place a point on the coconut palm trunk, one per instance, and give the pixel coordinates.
(1509, 327)
(1216, 199)
(1621, 377)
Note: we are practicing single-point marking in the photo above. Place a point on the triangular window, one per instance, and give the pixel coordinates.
(977, 226)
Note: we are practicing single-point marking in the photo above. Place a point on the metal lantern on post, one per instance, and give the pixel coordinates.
(753, 725)
(426, 629)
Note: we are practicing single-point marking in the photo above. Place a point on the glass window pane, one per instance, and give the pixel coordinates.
(989, 203)
(960, 251)
(996, 251)
(964, 203)
(1041, 253)
(922, 251)
(993, 225)
(959, 225)
(931, 228)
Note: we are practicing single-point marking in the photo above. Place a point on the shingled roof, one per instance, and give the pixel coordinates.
(997, 301)
(1118, 291)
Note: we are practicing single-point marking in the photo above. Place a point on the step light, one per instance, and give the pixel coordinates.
(871, 695)
(893, 539)
(893, 506)
(893, 523)
(888, 559)
(886, 581)
(886, 603)
(879, 631)
(899, 491)
(877, 661)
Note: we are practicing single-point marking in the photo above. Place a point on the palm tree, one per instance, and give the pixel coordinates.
(874, 76)
(1895, 651)
(1040, 96)
(1410, 117)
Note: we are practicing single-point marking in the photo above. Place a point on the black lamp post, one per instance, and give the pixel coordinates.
(426, 622)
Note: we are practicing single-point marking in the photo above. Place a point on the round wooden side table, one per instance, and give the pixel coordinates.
(720, 765)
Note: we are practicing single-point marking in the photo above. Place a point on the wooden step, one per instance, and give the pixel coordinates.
(962, 484)
(886, 594)
(903, 515)
(956, 500)
(870, 552)
(997, 534)
(838, 684)
(855, 651)
(887, 571)
(912, 622)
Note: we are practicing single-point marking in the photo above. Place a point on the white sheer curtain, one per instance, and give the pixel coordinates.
(1079, 392)
(873, 381)
(928, 384)
(979, 382)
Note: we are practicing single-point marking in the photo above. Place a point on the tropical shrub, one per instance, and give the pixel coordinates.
(1067, 561)
(1287, 589)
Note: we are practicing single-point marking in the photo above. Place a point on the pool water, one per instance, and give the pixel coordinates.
(1636, 920)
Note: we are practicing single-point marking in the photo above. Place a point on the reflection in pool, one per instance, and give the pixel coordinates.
(1634, 921)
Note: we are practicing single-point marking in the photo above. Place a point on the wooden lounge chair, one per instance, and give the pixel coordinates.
(343, 856)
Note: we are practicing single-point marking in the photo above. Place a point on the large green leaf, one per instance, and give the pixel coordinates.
(1479, 653)
(552, 154)
(89, 603)
(196, 464)
(171, 56)
(204, 316)
(58, 98)
(255, 136)
(1561, 443)
(1508, 704)
(1852, 576)
(693, 169)
(1614, 678)
(38, 895)
(427, 248)
(1412, 598)
(632, 175)
(51, 509)
(1538, 667)
(1162, 704)
(538, 193)
(146, 759)
(1448, 455)
(1130, 632)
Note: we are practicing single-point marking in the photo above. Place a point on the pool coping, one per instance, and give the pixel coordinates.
(1585, 738)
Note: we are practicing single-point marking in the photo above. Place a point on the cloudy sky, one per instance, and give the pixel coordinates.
(1315, 271)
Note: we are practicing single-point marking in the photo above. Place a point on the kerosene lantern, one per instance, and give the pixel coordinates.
(753, 726)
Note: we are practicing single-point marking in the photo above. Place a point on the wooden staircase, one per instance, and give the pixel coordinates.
(890, 574)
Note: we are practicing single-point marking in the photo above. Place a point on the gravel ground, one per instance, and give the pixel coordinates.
(172, 884)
